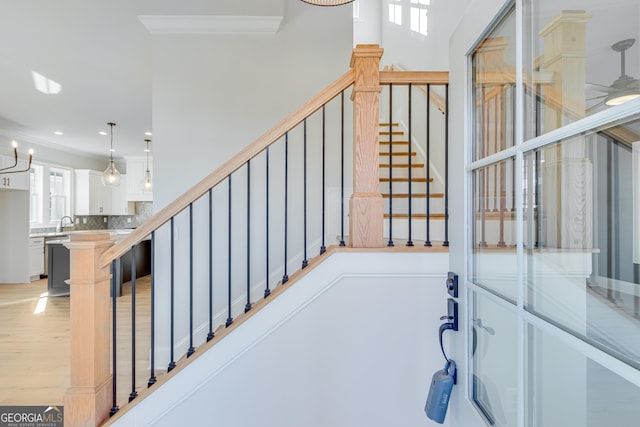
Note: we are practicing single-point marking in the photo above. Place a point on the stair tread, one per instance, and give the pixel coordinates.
(395, 132)
(398, 153)
(414, 195)
(495, 215)
(405, 179)
(402, 165)
(395, 142)
(387, 124)
(416, 216)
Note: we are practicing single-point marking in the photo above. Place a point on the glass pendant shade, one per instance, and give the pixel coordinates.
(111, 176)
(147, 181)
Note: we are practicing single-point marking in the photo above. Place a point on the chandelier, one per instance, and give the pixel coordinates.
(328, 2)
(14, 167)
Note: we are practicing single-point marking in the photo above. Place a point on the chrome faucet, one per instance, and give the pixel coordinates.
(59, 226)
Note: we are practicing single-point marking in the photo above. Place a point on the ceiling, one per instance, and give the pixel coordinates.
(98, 54)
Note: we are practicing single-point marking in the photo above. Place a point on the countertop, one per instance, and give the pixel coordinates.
(63, 236)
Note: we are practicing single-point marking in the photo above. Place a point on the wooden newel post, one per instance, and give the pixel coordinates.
(366, 204)
(88, 399)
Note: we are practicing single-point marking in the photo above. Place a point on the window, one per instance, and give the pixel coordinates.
(554, 271)
(50, 194)
(395, 12)
(59, 193)
(419, 16)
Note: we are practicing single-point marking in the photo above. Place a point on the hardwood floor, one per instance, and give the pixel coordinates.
(34, 343)
(34, 348)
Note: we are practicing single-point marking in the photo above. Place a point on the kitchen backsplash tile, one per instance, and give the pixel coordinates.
(143, 211)
(90, 222)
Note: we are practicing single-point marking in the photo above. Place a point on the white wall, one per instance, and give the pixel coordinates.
(354, 343)
(367, 24)
(55, 155)
(414, 51)
(212, 96)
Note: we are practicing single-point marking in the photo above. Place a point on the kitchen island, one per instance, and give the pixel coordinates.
(58, 264)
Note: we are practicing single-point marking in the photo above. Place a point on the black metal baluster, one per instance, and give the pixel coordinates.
(539, 205)
(428, 161)
(497, 148)
(267, 291)
(390, 242)
(285, 277)
(172, 363)
(484, 206)
(342, 243)
(536, 190)
(247, 307)
(133, 393)
(191, 349)
(513, 140)
(446, 166)
(152, 375)
(409, 242)
(211, 334)
(502, 170)
(323, 248)
(114, 346)
(229, 318)
(305, 261)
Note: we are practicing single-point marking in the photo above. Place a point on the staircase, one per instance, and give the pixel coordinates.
(409, 200)
(228, 246)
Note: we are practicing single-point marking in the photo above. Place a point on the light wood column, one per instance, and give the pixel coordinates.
(567, 172)
(87, 401)
(366, 204)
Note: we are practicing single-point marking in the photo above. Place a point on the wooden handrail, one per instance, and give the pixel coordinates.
(237, 161)
(414, 77)
(257, 146)
(436, 78)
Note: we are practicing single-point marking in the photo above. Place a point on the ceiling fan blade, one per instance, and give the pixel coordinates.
(596, 97)
(600, 88)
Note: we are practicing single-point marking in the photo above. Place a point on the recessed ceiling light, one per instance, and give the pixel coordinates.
(58, 132)
(148, 133)
(103, 133)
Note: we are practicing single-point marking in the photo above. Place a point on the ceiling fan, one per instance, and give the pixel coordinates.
(624, 88)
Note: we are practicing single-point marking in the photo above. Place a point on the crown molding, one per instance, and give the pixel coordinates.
(210, 24)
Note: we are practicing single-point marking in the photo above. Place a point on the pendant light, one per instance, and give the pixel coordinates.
(146, 184)
(111, 176)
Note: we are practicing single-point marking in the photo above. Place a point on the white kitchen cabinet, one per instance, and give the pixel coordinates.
(91, 197)
(136, 168)
(94, 198)
(14, 181)
(36, 257)
(120, 205)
